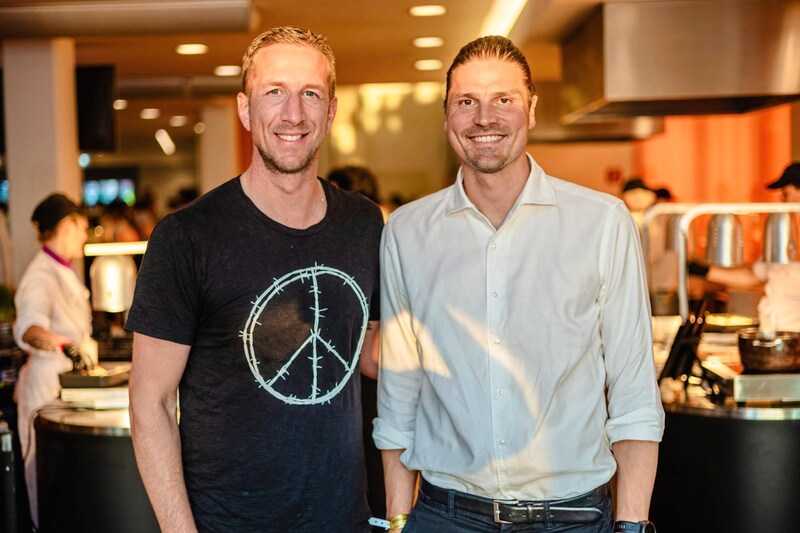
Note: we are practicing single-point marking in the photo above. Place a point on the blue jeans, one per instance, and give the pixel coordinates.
(429, 516)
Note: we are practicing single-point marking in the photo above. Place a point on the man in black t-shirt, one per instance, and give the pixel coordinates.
(259, 301)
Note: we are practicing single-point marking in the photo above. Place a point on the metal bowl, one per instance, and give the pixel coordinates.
(769, 356)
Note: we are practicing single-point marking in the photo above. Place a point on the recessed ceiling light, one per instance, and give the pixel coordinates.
(199, 128)
(120, 104)
(428, 10)
(149, 113)
(165, 142)
(502, 17)
(228, 70)
(191, 49)
(428, 42)
(428, 64)
(176, 121)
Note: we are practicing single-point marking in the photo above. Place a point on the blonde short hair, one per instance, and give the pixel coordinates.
(289, 35)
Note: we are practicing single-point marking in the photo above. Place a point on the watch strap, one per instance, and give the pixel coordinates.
(623, 526)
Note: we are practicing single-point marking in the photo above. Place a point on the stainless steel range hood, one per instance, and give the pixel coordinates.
(550, 129)
(682, 58)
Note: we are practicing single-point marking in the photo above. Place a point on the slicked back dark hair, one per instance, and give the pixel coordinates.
(491, 47)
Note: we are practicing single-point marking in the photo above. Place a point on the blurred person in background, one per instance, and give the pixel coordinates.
(361, 180)
(116, 223)
(53, 310)
(637, 197)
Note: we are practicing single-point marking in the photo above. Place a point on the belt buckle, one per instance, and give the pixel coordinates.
(496, 508)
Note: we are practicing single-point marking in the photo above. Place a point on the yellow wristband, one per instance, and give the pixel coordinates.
(398, 521)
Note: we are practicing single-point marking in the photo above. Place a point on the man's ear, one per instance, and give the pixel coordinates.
(532, 112)
(243, 109)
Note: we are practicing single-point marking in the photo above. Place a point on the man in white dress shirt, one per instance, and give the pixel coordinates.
(517, 373)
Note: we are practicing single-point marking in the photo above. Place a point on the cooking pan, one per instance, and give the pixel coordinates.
(765, 356)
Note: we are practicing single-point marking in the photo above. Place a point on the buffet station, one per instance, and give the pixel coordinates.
(730, 383)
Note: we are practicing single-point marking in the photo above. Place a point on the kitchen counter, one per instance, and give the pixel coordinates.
(728, 468)
(87, 475)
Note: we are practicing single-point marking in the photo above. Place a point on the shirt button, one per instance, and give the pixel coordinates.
(502, 442)
(499, 392)
(494, 245)
(497, 341)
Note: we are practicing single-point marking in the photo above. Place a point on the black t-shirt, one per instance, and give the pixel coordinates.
(270, 401)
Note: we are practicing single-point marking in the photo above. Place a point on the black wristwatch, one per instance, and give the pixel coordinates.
(645, 526)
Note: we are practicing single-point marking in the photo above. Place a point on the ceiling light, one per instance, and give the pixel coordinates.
(429, 10)
(228, 70)
(199, 128)
(428, 64)
(120, 104)
(177, 121)
(149, 113)
(428, 42)
(165, 142)
(501, 17)
(191, 49)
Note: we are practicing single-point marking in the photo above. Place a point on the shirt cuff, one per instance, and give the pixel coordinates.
(641, 424)
(388, 437)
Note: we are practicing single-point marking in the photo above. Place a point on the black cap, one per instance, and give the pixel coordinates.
(635, 183)
(52, 210)
(790, 176)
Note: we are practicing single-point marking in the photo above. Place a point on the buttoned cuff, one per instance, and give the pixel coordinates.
(388, 437)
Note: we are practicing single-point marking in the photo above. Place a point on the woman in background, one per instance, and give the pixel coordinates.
(53, 310)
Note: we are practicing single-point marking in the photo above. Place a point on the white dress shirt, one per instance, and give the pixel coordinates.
(497, 346)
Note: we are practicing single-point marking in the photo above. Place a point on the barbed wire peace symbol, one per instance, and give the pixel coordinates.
(320, 351)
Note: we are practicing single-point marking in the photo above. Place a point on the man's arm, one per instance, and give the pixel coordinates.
(157, 369)
(368, 363)
(636, 474)
(400, 484)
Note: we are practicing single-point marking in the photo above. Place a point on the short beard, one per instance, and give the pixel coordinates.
(273, 165)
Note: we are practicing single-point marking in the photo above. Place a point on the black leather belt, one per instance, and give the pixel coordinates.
(520, 512)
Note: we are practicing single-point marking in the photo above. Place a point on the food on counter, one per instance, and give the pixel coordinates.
(728, 320)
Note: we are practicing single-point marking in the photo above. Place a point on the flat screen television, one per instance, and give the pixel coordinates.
(95, 90)
(101, 186)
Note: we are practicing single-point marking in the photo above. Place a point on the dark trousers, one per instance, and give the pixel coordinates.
(430, 516)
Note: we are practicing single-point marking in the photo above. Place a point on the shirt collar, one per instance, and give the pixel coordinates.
(60, 260)
(537, 191)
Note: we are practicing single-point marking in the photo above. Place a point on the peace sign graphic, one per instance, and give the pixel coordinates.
(327, 364)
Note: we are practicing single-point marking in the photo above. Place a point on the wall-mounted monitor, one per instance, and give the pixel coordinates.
(101, 186)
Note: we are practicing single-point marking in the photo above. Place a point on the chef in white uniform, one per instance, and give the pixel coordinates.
(52, 310)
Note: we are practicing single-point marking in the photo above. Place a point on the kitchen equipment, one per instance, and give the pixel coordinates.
(114, 376)
(724, 243)
(113, 278)
(778, 244)
(781, 354)
(664, 303)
